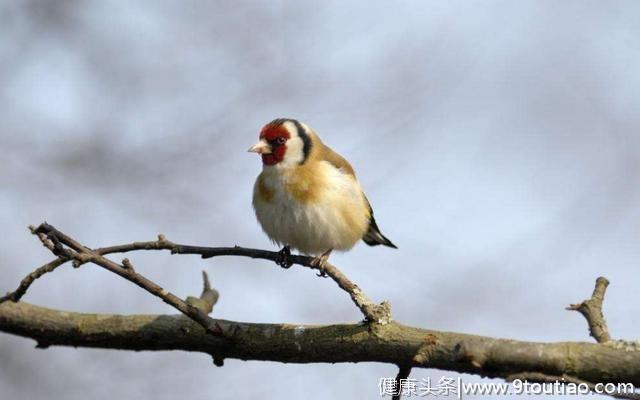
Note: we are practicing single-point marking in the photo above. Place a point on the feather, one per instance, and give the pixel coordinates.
(325, 153)
(374, 237)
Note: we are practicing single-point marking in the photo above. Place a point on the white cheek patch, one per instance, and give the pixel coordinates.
(294, 154)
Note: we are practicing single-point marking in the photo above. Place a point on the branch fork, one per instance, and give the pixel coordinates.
(56, 242)
(68, 249)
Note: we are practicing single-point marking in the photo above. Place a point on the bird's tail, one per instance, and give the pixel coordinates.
(374, 237)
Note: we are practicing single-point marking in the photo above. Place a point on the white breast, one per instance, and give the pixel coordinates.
(337, 219)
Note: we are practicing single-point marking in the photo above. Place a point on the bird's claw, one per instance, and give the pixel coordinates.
(320, 262)
(283, 258)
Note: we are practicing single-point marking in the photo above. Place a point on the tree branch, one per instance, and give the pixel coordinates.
(25, 284)
(207, 299)
(591, 309)
(380, 341)
(82, 254)
(379, 313)
(403, 374)
(392, 343)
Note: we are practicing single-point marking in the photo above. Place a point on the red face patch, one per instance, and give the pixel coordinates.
(276, 135)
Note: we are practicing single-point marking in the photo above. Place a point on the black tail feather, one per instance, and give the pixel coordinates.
(374, 237)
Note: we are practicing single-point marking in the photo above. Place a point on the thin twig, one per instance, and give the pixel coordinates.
(83, 254)
(51, 266)
(591, 309)
(26, 282)
(403, 375)
(379, 313)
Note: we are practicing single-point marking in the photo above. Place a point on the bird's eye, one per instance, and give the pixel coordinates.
(281, 140)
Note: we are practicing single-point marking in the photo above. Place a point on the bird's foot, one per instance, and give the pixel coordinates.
(283, 258)
(320, 262)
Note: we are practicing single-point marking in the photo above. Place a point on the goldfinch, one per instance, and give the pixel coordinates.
(307, 196)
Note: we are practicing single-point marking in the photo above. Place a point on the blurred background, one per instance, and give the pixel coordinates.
(497, 141)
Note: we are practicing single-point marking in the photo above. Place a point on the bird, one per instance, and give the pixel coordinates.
(307, 197)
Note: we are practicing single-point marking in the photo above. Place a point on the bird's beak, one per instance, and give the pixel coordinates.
(262, 147)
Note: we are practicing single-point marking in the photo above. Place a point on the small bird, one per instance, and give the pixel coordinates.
(307, 196)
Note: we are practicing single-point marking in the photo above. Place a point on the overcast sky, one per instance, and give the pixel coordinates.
(497, 141)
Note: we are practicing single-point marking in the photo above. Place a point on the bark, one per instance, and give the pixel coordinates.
(616, 361)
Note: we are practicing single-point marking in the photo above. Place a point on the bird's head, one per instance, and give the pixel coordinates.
(284, 143)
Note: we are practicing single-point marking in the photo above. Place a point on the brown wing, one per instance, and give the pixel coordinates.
(326, 154)
(373, 236)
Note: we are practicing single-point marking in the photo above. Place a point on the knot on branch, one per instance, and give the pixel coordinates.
(378, 313)
(424, 352)
(470, 353)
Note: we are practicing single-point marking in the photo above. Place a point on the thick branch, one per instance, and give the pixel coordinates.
(392, 343)
(591, 309)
